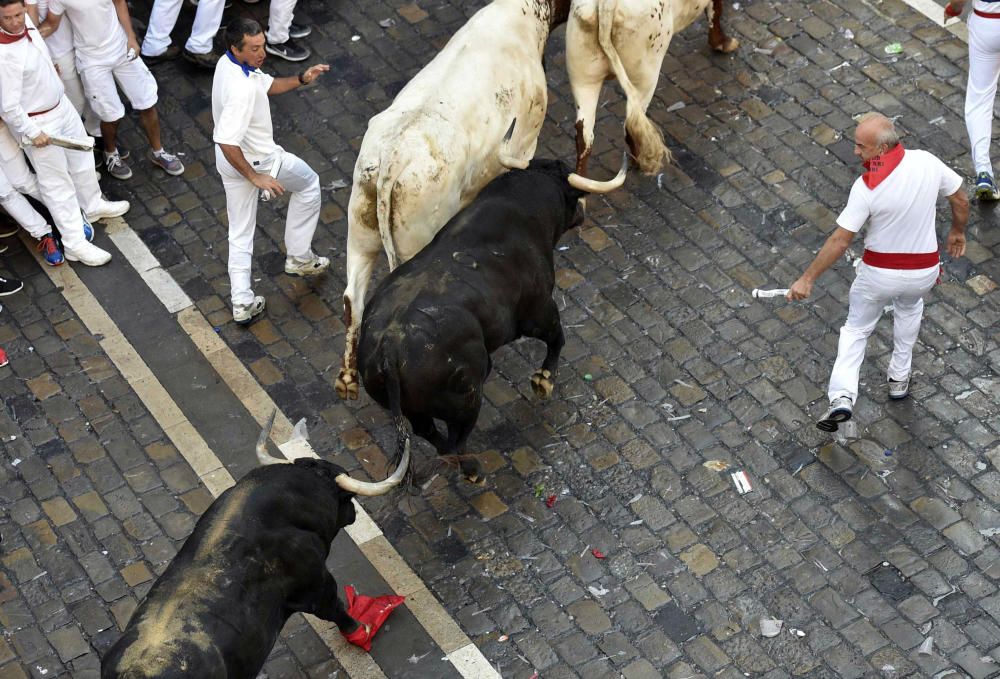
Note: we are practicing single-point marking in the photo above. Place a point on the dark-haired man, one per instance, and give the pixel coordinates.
(251, 164)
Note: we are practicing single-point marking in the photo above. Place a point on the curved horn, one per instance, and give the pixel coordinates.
(262, 455)
(352, 485)
(594, 186)
(505, 158)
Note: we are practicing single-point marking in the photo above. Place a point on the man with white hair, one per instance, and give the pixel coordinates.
(897, 197)
(35, 108)
(107, 53)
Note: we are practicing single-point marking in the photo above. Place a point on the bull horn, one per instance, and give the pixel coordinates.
(505, 158)
(262, 455)
(352, 485)
(593, 186)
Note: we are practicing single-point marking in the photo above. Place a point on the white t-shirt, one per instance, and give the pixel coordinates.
(986, 6)
(901, 211)
(98, 37)
(28, 83)
(61, 42)
(241, 110)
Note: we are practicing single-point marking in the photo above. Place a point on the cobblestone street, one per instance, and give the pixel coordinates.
(601, 544)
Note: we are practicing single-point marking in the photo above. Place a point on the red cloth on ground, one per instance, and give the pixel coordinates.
(880, 167)
(371, 612)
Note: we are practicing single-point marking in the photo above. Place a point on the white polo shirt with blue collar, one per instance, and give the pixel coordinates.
(241, 110)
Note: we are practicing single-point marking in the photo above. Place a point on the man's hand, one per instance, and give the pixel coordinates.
(800, 289)
(266, 182)
(41, 140)
(133, 45)
(956, 243)
(953, 9)
(313, 72)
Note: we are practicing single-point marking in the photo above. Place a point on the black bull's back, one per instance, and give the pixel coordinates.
(256, 556)
(485, 280)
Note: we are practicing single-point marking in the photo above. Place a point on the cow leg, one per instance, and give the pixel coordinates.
(458, 435)
(360, 261)
(330, 607)
(425, 428)
(717, 38)
(547, 327)
(587, 68)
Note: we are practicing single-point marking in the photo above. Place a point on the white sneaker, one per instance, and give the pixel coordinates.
(306, 267)
(87, 253)
(899, 388)
(107, 209)
(243, 314)
(841, 409)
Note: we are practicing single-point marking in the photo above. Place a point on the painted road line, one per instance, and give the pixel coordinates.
(443, 630)
(935, 12)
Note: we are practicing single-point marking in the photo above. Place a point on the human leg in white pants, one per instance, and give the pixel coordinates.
(866, 302)
(79, 164)
(279, 19)
(207, 20)
(19, 208)
(303, 206)
(907, 313)
(66, 64)
(241, 208)
(981, 90)
(162, 20)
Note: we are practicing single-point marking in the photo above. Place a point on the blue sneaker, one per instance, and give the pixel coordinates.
(986, 188)
(88, 230)
(47, 246)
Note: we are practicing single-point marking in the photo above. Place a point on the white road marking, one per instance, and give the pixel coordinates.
(935, 13)
(458, 648)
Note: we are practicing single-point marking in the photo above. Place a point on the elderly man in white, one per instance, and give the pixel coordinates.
(34, 106)
(251, 164)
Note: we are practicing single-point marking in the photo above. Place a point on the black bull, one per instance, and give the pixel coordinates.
(256, 556)
(485, 280)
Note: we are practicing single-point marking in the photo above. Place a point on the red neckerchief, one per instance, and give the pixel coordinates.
(880, 167)
(9, 38)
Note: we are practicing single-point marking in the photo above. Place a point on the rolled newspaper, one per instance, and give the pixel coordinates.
(777, 292)
(84, 144)
(265, 195)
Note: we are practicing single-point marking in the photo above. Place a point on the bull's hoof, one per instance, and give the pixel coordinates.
(347, 384)
(541, 383)
(477, 479)
(726, 45)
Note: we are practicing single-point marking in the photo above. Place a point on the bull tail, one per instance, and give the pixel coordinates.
(389, 170)
(646, 138)
(390, 368)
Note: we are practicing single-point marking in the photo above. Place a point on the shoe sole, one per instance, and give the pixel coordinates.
(282, 55)
(11, 292)
(831, 422)
(108, 215)
(71, 258)
(249, 320)
(306, 274)
(8, 235)
(900, 397)
(122, 177)
(987, 194)
(175, 173)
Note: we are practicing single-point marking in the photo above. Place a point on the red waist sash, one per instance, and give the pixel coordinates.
(901, 260)
(987, 15)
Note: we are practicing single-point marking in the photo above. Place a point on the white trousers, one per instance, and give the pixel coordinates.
(16, 179)
(207, 19)
(279, 18)
(981, 91)
(66, 179)
(241, 206)
(66, 65)
(873, 289)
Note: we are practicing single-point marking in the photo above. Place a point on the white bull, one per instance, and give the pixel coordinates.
(439, 143)
(628, 39)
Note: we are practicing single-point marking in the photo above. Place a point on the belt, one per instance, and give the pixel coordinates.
(986, 15)
(901, 260)
(38, 113)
